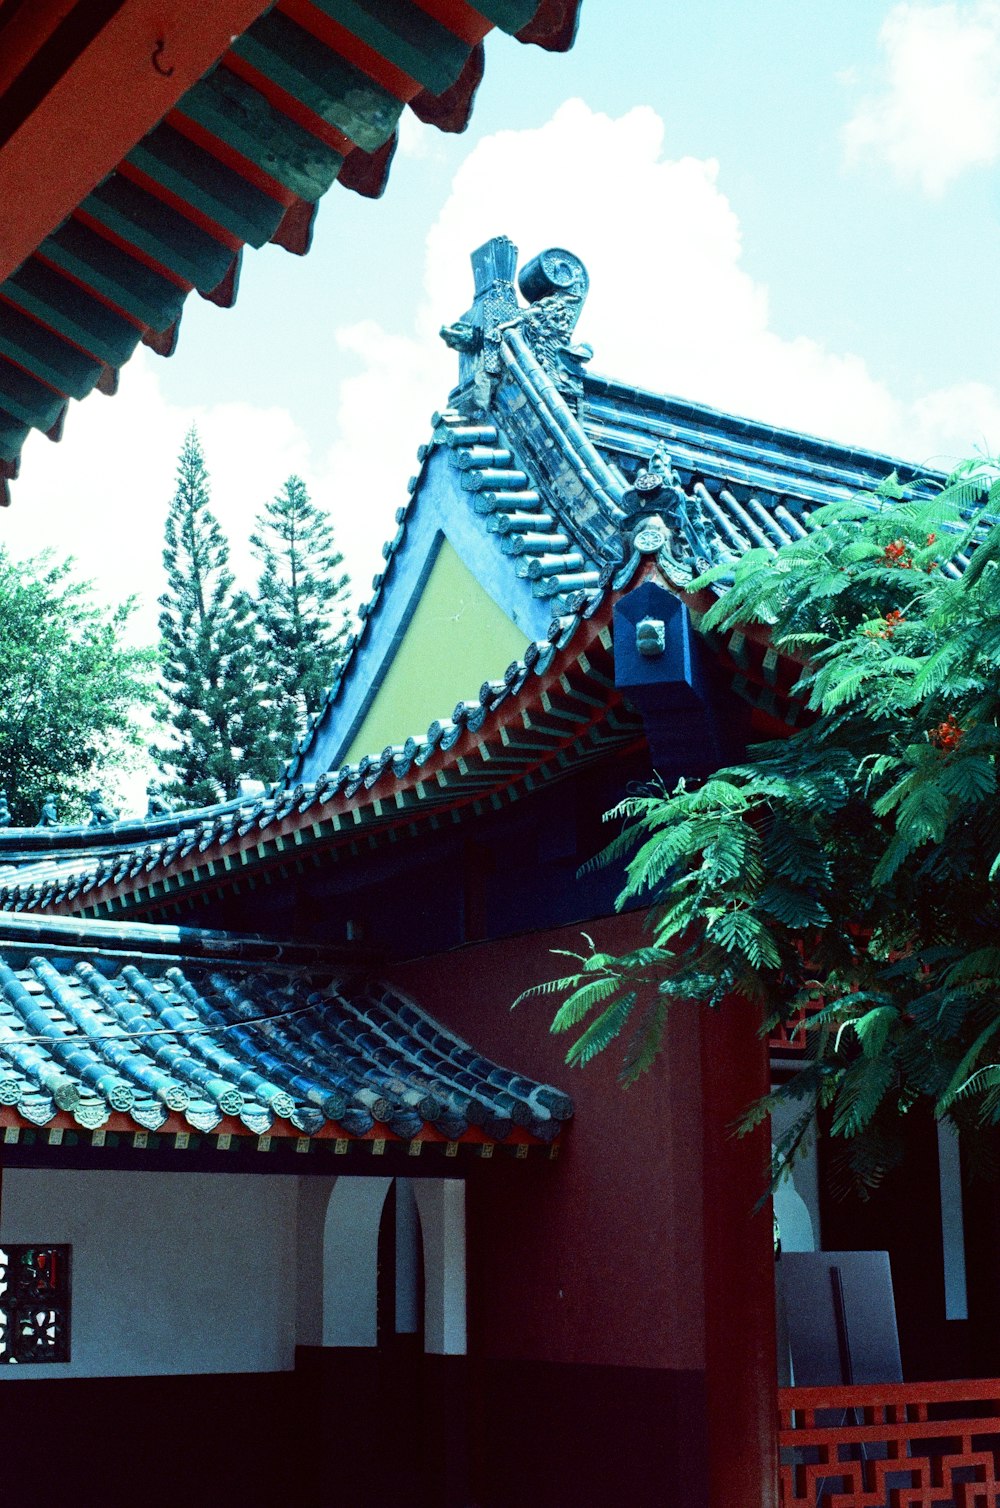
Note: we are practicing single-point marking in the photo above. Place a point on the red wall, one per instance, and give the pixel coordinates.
(596, 1257)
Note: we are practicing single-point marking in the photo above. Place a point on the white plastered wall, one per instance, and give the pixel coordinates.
(350, 1261)
(172, 1272)
(441, 1202)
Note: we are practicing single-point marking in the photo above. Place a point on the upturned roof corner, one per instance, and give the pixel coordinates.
(551, 503)
(229, 126)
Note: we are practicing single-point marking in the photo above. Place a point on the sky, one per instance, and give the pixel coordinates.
(788, 210)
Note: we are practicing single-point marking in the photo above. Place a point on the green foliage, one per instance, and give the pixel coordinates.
(71, 687)
(853, 869)
(300, 607)
(219, 717)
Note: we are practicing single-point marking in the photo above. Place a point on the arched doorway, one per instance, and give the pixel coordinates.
(389, 1409)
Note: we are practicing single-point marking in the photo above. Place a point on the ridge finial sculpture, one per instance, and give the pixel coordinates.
(157, 804)
(101, 815)
(4, 810)
(49, 815)
(554, 284)
(663, 519)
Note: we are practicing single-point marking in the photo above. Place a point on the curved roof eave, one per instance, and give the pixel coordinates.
(140, 1033)
(554, 711)
(236, 120)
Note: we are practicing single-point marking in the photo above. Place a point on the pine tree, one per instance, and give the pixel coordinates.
(216, 710)
(301, 605)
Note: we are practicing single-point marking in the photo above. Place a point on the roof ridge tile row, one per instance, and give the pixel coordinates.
(391, 767)
(196, 1044)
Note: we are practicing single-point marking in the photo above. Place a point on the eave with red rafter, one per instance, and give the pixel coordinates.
(557, 712)
(559, 496)
(215, 127)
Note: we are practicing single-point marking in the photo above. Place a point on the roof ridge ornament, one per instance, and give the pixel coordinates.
(666, 521)
(555, 284)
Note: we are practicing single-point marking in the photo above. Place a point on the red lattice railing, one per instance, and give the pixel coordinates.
(892, 1445)
(790, 1036)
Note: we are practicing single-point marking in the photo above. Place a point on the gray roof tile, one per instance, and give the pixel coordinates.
(162, 1027)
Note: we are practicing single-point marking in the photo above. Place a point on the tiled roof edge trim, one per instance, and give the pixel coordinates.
(202, 1042)
(543, 548)
(366, 612)
(443, 425)
(395, 761)
(566, 434)
(30, 930)
(754, 431)
(18, 841)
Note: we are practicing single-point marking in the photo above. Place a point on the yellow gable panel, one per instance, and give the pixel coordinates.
(456, 639)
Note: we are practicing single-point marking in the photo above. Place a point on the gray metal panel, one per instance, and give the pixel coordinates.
(830, 1343)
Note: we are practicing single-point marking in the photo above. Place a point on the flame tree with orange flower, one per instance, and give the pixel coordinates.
(851, 871)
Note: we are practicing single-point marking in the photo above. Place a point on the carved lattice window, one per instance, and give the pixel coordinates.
(34, 1303)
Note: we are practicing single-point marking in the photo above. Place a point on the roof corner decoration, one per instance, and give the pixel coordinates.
(519, 365)
(231, 121)
(668, 523)
(554, 284)
(476, 336)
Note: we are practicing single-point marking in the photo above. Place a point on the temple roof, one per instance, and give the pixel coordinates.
(556, 710)
(128, 1030)
(562, 494)
(544, 477)
(298, 95)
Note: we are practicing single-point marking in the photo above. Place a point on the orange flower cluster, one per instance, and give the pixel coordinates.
(946, 735)
(897, 553)
(890, 623)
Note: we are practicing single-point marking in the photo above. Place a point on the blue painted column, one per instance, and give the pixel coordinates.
(657, 667)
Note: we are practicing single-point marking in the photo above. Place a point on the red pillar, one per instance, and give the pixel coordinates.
(740, 1360)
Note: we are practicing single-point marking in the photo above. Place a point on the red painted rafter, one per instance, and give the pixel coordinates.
(459, 18)
(321, 26)
(301, 823)
(137, 67)
(289, 105)
(23, 37)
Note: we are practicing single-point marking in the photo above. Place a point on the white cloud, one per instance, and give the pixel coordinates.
(416, 139)
(937, 111)
(671, 308)
(101, 494)
(670, 305)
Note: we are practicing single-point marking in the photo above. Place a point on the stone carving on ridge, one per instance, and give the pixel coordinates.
(665, 521)
(157, 804)
(555, 285)
(101, 814)
(476, 336)
(49, 814)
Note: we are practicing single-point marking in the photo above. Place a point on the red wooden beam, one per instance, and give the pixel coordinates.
(135, 70)
(30, 27)
(740, 1344)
